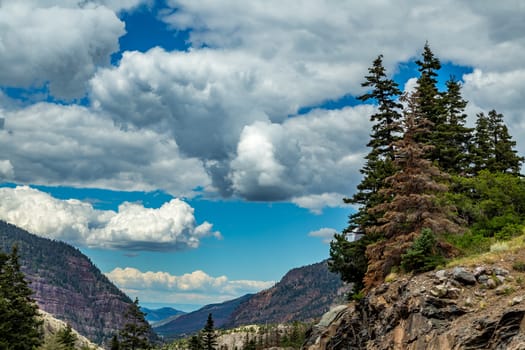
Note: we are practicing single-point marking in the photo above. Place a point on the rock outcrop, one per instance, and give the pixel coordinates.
(475, 307)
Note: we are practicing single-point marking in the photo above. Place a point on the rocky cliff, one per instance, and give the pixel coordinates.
(479, 305)
(67, 285)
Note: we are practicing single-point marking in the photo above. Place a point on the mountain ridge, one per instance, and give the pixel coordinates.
(303, 294)
(67, 284)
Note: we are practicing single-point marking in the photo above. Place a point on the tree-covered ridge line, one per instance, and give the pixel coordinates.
(427, 172)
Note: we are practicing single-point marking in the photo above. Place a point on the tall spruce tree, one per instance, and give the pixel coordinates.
(348, 258)
(505, 158)
(431, 104)
(135, 333)
(385, 130)
(454, 155)
(20, 327)
(493, 147)
(209, 337)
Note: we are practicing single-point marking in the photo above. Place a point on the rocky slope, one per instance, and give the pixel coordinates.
(67, 285)
(303, 294)
(479, 305)
(52, 325)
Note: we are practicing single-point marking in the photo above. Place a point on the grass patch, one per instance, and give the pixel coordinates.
(489, 257)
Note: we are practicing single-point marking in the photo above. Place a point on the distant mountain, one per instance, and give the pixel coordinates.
(67, 284)
(156, 315)
(195, 321)
(303, 294)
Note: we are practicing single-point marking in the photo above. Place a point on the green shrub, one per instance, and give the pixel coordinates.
(509, 231)
(470, 243)
(423, 254)
(519, 266)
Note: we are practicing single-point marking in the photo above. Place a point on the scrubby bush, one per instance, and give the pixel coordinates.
(423, 255)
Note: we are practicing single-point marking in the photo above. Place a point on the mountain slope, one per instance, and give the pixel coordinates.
(67, 285)
(303, 294)
(194, 321)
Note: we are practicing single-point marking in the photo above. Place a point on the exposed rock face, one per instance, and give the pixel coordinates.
(67, 285)
(303, 294)
(462, 308)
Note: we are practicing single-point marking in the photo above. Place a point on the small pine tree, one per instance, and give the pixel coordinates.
(195, 342)
(66, 337)
(423, 255)
(209, 337)
(135, 333)
(114, 344)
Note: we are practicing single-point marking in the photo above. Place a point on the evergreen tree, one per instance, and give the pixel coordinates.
(195, 342)
(414, 205)
(505, 158)
(454, 154)
(348, 258)
(20, 328)
(481, 145)
(209, 338)
(385, 131)
(67, 338)
(135, 333)
(114, 344)
(431, 105)
(493, 147)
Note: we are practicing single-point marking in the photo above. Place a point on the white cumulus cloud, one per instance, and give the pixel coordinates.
(193, 287)
(133, 227)
(325, 233)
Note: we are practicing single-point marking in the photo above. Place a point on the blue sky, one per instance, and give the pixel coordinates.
(196, 151)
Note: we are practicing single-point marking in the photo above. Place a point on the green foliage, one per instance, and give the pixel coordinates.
(52, 343)
(348, 258)
(195, 343)
(136, 332)
(519, 266)
(385, 131)
(423, 255)
(509, 231)
(493, 147)
(66, 337)
(492, 204)
(20, 328)
(209, 337)
(469, 243)
(114, 344)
